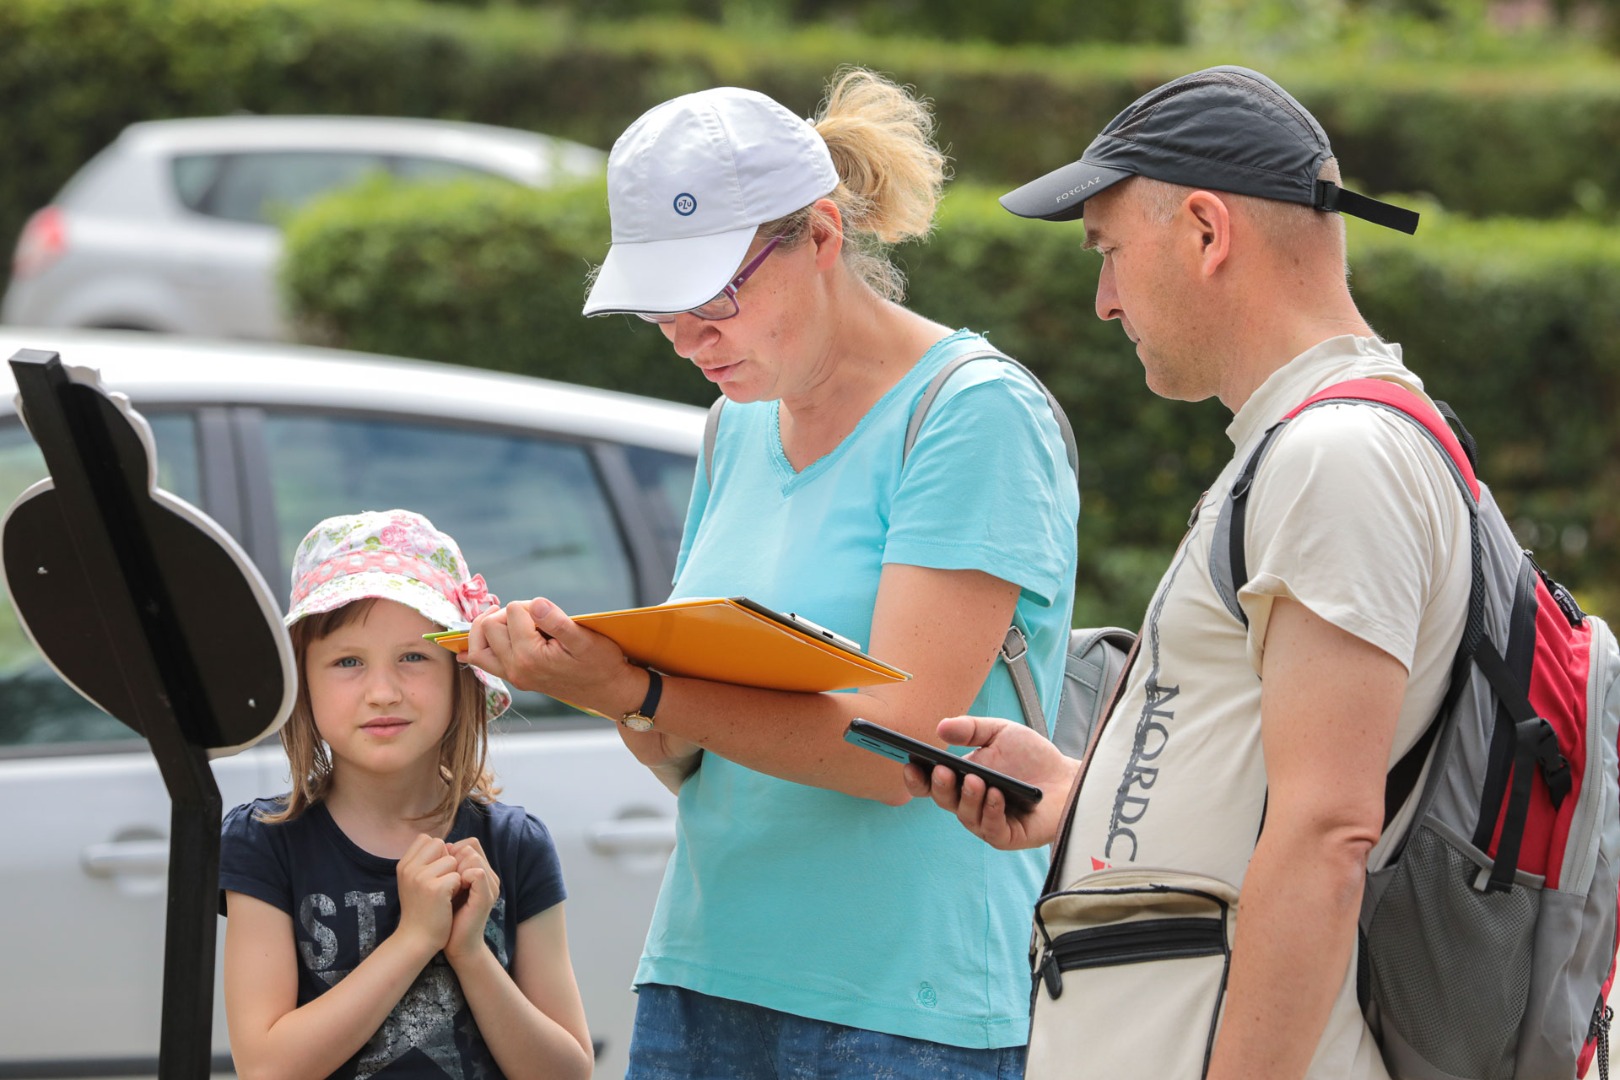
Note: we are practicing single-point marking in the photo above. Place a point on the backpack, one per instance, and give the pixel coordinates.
(1488, 941)
(1095, 658)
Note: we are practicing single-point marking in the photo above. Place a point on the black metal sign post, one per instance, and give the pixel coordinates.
(149, 609)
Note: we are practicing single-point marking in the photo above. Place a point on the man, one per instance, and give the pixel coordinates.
(1251, 753)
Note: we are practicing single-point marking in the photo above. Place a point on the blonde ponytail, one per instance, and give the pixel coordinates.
(891, 174)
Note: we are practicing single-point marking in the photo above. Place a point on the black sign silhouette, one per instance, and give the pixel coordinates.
(149, 609)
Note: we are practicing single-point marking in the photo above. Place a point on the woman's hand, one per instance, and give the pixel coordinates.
(470, 909)
(428, 881)
(1012, 748)
(534, 645)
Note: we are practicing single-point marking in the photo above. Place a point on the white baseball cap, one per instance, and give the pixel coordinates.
(689, 184)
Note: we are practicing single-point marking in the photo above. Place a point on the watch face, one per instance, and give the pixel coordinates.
(637, 722)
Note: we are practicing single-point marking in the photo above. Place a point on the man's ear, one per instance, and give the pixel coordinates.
(827, 233)
(1210, 222)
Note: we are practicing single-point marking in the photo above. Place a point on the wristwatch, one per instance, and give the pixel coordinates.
(642, 718)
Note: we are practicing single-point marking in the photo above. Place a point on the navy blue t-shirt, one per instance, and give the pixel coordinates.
(344, 900)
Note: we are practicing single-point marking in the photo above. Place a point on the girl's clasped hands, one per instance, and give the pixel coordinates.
(446, 893)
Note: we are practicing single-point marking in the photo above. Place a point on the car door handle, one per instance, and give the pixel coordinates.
(119, 857)
(632, 836)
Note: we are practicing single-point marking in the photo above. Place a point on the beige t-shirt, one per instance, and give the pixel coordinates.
(1353, 514)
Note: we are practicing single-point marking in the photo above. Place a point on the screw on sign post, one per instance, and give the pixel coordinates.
(152, 612)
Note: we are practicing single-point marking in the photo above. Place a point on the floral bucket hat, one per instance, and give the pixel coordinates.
(392, 555)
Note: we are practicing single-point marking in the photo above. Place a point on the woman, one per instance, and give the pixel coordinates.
(809, 909)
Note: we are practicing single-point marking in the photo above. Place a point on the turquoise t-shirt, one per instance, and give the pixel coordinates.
(817, 903)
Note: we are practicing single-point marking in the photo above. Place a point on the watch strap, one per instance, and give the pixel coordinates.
(642, 718)
(655, 690)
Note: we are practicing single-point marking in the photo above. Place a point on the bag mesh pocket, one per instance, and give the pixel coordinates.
(1433, 929)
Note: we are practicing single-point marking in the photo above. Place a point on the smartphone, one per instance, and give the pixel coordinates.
(1021, 797)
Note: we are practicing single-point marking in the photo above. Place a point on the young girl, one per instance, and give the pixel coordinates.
(388, 916)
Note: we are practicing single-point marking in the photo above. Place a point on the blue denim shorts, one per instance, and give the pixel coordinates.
(684, 1035)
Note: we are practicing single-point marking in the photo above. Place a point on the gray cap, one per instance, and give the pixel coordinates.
(1223, 128)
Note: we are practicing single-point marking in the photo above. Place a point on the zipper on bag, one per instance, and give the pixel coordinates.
(1602, 1018)
(1130, 943)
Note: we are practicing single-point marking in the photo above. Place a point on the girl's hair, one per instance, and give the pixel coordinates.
(891, 175)
(463, 752)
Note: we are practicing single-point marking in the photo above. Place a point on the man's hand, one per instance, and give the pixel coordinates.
(1007, 747)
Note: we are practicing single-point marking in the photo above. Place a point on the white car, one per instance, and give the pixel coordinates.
(173, 226)
(552, 490)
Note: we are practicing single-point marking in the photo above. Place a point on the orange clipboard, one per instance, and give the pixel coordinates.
(731, 640)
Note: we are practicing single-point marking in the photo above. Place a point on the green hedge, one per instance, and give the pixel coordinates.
(1040, 22)
(1514, 322)
(1527, 137)
(486, 275)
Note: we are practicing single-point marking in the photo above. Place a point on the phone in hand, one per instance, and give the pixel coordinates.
(1021, 797)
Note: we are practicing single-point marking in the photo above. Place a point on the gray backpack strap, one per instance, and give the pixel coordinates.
(1221, 571)
(937, 383)
(711, 431)
(1014, 647)
(1228, 562)
(1014, 652)
(1092, 666)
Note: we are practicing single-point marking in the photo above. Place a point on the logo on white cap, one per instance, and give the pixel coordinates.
(685, 204)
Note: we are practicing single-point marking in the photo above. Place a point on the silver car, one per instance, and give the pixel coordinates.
(173, 226)
(551, 490)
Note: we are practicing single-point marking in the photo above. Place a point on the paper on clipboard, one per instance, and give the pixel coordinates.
(732, 640)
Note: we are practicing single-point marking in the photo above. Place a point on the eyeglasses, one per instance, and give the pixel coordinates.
(724, 304)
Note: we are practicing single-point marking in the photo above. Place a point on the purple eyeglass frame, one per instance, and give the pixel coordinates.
(664, 318)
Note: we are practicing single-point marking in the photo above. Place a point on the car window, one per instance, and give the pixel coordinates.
(665, 480)
(263, 187)
(438, 170)
(194, 176)
(36, 708)
(530, 513)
